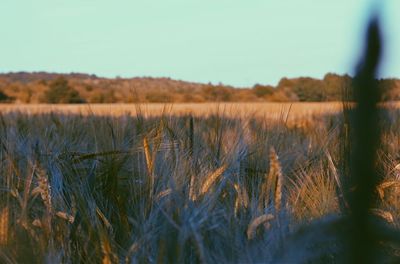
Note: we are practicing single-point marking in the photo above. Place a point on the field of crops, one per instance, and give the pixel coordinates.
(207, 183)
(201, 109)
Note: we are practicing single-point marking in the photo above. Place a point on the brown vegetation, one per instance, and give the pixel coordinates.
(77, 88)
(296, 114)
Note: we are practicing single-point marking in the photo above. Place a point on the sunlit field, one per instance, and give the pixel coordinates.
(184, 183)
(269, 110)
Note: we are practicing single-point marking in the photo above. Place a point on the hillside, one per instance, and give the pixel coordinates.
(43, 87)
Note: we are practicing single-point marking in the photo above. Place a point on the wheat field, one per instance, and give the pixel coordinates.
(197, 109)
(184, 183)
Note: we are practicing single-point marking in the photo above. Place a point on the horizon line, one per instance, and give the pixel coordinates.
(178, 79)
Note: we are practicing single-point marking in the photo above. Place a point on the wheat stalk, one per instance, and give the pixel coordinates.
(14, 193)
(192, 190)
(242, 198)
(45, 193)
(148, 156)
(108, 255)
(211, 179)
(66, 216)
(252, 228)
(103, 218)
(272, 183)
(44, 189)
(163, 194)
(4, 224)
(333, 170)
(387, 184)
(37, 223)
(132, 250)
(387, 216)
(276, 169)
(265, 192)
(24, 201)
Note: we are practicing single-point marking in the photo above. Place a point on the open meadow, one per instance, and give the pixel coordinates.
(184, 183)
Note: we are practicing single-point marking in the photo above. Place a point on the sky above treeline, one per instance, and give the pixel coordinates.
(236, 42)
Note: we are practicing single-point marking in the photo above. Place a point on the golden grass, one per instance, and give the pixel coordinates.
(278, 110)
(211, 179)
(272, 184)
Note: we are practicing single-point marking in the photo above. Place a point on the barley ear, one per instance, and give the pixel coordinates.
(276, 169)
(385, 185)
(192, 190)
(252, 228)
(211, 179)
(108, 256)
(148, 156)
(65, 216)
(242, 198)
(385, 215)
(265, 192)
(44, 189)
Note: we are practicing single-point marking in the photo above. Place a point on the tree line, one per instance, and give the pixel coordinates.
(81, 88)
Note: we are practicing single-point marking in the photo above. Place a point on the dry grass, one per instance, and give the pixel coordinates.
(271, 110)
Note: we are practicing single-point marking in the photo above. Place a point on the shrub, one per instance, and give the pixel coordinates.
(4, 98)
(60, 92)
(217, 93)
(262, 91)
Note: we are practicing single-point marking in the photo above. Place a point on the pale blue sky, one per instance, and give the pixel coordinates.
(237, 42)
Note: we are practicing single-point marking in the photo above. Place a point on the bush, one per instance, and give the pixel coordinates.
(4, 98)
(310, 90)
(262, 91)
(304, 89)
(60, 92)
(217, 93)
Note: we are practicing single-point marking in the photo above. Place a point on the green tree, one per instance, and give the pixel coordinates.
(262, 90)
(308, 89)
(303, 89)
(60, 92)
(217, 93)
(335, 85)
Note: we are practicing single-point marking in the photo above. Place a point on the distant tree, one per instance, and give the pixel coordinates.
(284, 92)
(107, 97)
(311, 90)
(159, 97)
(335, 85)
(285, 82)
(262, 90)
(390, 89)
(60, 92)
(4, 98)
(303, 89)
(217, 93)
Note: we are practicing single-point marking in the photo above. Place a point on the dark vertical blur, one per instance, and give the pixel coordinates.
(364, 141)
